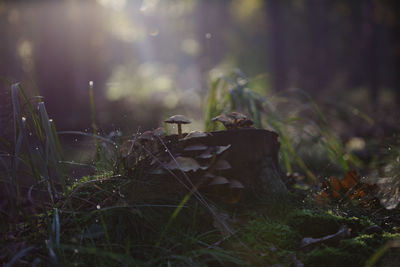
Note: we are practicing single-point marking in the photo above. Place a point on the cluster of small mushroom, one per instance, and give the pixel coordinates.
(234, 120)
(205, 164)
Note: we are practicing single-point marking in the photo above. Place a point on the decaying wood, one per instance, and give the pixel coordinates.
(253, 156)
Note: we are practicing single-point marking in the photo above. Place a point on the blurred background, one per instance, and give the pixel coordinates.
(150, 59)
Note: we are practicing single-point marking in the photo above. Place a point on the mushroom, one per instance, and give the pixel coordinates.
(221, 149)
(185, 164)
(236, 116)
(235, 184)
(218, 180)
(196, 147)
(195, 134)
(147, 136)
(204, 167)
(240, 120)
(209, 175)
(222, 165)
(194, 150)
(206, 154)
(219, 186)
(216, 150)
(234, 120)
(178, 119)
(159, 132)
(222, 118)
(226, 121)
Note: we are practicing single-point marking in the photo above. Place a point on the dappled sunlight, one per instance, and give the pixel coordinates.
(138, 84)
(245, 10)
(117, 5)
(199, 133)
(25, 53)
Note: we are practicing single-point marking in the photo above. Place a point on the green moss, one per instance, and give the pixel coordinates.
(313, 224)
(360, 248)
(389, 236)
(320, 223)
(328, 256)
(263, 233)
(356, 224)
(86, 179)
(267, 242)
(350, 252)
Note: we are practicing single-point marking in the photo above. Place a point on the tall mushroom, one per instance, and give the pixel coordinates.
(178, 119)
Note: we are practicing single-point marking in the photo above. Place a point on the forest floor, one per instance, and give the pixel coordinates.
(97, 224)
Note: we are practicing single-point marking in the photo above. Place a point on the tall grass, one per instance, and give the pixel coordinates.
(36, 155)
(233, 93)
(35, 159)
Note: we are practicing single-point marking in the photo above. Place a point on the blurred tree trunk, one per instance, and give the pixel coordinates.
(396, 53)
(211, 37)
(371, 53)
(276, 55)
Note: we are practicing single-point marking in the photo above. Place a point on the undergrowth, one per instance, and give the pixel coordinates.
(58, 220)
(303, 129)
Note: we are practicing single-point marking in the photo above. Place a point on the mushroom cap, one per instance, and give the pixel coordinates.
(196, 147)
(222, 118)
(221, 149)
(235, 184)
(204, 167)
(222, 165)
(147, 135)
(218, 180)
(206, 154)
(210, 152)
(178, 119)
(209, 175)
(237, 116)
(185, 164)
(195, 134)
(160, 132)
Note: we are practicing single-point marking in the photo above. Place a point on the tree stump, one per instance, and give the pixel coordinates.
(253, 156)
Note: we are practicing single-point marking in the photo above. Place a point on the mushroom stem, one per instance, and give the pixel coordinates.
(179, 131)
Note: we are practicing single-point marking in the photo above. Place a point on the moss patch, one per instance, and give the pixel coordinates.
(268, 242)
(350, 252)
(262, 233)
(328, 256)
(315, 223)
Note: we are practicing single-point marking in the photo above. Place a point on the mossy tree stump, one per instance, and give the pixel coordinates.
(253, 156)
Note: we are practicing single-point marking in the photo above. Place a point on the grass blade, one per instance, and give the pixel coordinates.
(56, 227)
(18, 256)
